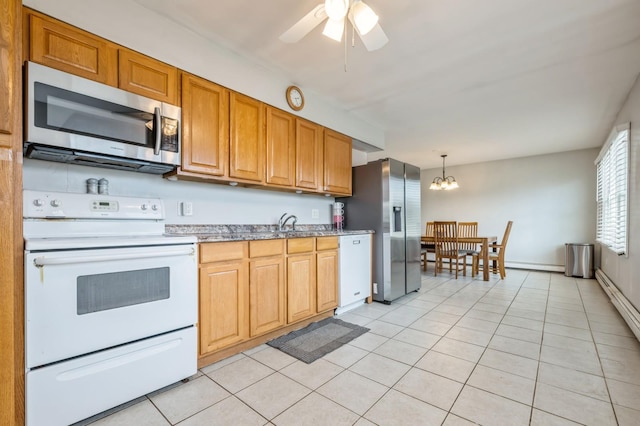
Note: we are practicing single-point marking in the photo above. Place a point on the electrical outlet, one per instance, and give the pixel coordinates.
(186, 208)
(315, 213)
(375, 288)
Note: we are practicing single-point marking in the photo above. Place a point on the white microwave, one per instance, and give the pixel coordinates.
(71, 119)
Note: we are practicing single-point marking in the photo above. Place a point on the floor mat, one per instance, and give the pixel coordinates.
(317, 339)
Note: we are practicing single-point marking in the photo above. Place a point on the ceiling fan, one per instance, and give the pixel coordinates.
(361, 17)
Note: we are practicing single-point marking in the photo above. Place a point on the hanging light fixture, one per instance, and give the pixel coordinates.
(446, 183)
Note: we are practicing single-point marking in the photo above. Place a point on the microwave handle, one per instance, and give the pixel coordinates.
(157, 126)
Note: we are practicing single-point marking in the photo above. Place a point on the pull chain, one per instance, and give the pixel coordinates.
(346, 29)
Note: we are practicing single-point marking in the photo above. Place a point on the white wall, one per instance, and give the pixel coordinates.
(550, 198)
(212, 204)
(624, 271)
(129, 24)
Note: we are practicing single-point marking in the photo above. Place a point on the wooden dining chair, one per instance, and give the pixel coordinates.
(496, 255)
(427, 247)
(446, 245)
(468, 229)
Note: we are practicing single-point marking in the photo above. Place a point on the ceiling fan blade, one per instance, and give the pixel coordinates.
(374, 39)
(305, 25)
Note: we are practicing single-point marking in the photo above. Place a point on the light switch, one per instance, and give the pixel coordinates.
(186, 208)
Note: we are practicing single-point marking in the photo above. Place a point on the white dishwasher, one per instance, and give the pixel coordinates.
(355, 271)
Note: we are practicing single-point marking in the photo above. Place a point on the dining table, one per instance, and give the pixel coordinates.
(484, 249)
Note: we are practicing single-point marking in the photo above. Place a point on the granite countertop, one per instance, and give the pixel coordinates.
(213, 233)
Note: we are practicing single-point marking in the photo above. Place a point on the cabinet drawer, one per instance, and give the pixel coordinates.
(266, 248)
(300, 245)
(326, 243)
(217, 252)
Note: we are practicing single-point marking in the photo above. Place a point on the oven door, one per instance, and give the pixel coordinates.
(80, 301)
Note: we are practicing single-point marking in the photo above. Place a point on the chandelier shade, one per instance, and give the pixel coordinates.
(445, 182)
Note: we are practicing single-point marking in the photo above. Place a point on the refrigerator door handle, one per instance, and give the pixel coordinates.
(397, 219)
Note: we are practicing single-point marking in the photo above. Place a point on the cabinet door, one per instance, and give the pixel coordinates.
(205, 126)
(145, 76)
(224, 301)
(337, 163)
(309, 151)
(327, 281)
(246, 147)
(266, 295)
(70, 49)
(281, 147)
(10, 83)
(301, 287)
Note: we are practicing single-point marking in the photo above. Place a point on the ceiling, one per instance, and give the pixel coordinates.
(477, 80)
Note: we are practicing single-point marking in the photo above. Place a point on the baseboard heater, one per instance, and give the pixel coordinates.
(629, 313)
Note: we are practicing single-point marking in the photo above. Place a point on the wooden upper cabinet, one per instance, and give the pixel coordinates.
(281, 147)
(10, 66)
(309, 152)
(247, 138)
(205, 126)
(64, 47)
(337, 163)
(145, 76)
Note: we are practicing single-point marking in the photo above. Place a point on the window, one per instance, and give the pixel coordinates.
(612, 167)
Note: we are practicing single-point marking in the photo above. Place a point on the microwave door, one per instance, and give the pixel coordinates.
(75, 113)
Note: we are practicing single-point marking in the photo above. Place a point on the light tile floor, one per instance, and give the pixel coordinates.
(537, 348)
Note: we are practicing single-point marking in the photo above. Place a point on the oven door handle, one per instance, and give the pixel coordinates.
(44, 260)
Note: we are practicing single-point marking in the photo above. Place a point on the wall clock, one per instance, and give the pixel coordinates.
(295, 98)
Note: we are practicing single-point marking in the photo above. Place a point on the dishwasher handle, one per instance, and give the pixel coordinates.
(44, 260)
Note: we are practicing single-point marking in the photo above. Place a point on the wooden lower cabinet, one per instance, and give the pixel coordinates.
(253, 290)
(301, 287)
(266, 287)
(327, 273)
(224, 303)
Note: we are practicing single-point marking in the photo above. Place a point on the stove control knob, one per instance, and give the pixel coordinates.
(38, 202)
(55, 203)
(144, 207)
(155, 207)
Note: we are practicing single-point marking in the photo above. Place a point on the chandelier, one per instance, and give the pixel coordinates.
(447, 183)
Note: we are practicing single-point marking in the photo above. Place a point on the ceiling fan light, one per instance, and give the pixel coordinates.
(364, 17)
(333, 29)
(336, 9)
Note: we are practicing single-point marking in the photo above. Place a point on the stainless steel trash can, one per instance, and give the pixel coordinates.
(578, 260)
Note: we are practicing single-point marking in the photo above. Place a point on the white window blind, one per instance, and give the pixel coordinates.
(612, 167)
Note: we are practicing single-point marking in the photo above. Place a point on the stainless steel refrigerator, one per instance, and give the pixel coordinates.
(386, 198)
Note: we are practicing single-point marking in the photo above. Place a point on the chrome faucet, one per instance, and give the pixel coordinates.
(283, 221)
